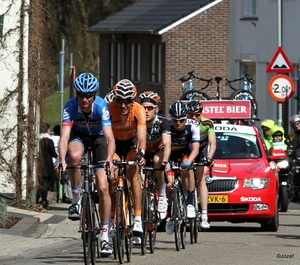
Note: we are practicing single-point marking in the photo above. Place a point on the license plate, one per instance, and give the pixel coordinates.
(217, 199)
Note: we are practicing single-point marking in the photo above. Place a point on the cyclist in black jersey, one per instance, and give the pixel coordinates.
(158, 146)
(185, 135)
(207, 150)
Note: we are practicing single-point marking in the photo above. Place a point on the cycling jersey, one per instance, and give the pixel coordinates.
(91, 124)
(125, 127)
(206, 128)
(160, 127)
(189, 134)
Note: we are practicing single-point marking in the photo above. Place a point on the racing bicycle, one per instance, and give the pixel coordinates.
(178, 207)
(150, 218)
(89, 216)
(123, 215)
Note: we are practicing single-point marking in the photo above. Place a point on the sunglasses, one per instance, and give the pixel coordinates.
(265, 128)
(296, 124)
(125, 101)
(197, 115)
(149, 108)
(181, 120)
(85, 95)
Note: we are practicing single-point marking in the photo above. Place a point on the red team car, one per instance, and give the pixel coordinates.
(243, 184)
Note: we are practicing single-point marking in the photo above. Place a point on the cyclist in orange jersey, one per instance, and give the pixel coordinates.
(128, 119)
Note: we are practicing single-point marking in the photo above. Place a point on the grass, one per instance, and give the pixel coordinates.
(53, 110)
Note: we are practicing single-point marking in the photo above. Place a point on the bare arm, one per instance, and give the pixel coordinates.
(166, 139)
(195, 151)
(142, 137)
(111, 145)
(212, 145)
(63, 144)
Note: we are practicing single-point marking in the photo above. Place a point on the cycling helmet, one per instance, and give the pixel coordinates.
(149, 96)
(178, 109)
(295, 118)
(109, 97)
(194, 106)
(267, 123)
(124, 89)
(277, 130)
(86, 83)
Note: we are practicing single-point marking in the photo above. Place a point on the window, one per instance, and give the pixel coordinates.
(116, 63)
(156, 61)
(1, 25)
(250, 8)
(135, 64)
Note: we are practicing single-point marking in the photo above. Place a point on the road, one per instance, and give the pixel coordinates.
(225, 243)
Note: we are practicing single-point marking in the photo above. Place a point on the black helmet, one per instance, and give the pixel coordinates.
(178, 109)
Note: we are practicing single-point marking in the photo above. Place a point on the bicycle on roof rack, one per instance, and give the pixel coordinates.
(244, 93)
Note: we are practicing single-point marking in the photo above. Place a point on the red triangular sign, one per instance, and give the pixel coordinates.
(280, 63)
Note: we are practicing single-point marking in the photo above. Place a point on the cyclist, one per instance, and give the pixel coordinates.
(207, 150)
(266, 126)
(185, 136)
(129, 129)
(277, 133)
(295, 145)
(158, 145)
(294, 123)
(86, 123)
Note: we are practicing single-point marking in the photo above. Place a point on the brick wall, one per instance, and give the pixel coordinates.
(200, 44)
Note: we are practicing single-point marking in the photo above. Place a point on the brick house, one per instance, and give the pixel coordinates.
(155, 42)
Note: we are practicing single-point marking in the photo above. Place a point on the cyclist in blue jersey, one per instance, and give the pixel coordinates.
(86, 123)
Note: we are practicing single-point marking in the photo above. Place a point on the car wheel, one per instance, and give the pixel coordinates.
(273, 224)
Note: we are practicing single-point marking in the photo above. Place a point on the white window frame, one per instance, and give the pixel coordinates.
(116, 62)
(250, 8)
(156, 63)
(135, 64)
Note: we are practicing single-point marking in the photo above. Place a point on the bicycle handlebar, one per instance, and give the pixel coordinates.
(192, 76)
(245, 77)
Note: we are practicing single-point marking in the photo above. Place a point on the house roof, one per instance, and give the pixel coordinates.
(152, 16)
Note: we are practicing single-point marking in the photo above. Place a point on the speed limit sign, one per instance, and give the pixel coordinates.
(281, 88)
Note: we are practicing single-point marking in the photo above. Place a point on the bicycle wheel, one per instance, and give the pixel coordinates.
(145, 208)
(183, 216)
(246, 95)
(176, 218)
(88, 236)
(153, 223)
(197, 218)
(130, 222)
(120, 226)
(195, 95)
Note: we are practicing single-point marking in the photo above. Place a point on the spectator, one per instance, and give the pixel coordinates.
(46, 172)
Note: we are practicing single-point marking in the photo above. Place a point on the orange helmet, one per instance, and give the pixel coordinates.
(149, 96)
(125, 89)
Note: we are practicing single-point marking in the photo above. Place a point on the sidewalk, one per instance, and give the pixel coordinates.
(37, 230)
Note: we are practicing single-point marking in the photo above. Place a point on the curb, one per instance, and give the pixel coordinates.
(25, 227)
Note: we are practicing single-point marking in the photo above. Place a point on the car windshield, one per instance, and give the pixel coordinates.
(236, 145)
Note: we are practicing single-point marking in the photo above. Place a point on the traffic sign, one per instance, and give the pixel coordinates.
(281, 88)
(280, 63)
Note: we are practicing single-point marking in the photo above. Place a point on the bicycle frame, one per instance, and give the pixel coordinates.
(88, 225)
(123, 216)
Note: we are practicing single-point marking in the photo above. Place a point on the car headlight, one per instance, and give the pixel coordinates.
(283, 164)
(256, 183)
